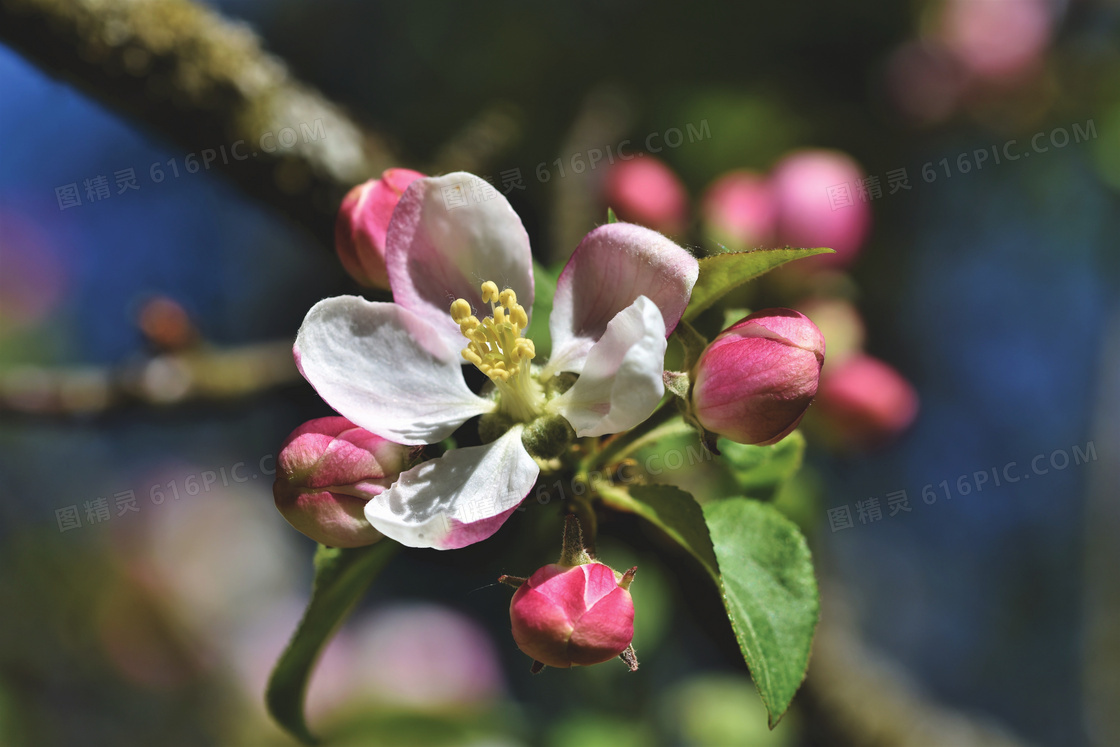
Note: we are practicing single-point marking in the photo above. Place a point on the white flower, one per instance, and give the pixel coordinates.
(395, 368)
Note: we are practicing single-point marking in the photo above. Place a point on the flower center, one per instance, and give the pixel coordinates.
(497, 348)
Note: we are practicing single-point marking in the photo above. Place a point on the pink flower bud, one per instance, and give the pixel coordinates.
(327, 469)
(739, 211)
(566, 615)
(647, 192)
(818, 203)
(997, 41)
(753, 383)
(363, 220)
(866, 401)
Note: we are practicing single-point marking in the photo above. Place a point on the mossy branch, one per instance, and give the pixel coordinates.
(203, 82)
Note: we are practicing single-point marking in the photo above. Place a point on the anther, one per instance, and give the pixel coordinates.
(489, 291)
(460, 310)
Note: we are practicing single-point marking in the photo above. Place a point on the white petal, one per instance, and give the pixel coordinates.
(611, 267)
(460, 498)
(621, 382)
(385, 369)
(447, 236)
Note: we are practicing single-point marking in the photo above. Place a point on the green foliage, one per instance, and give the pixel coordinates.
(674, 512)
(770, 594)
(341, 577)
(403, 727)
(761, 470)
(762, 568)
(591, 729)
(716, 710)
(721, 273)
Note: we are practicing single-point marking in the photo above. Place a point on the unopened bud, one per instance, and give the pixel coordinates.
(819, 203)
(866, 402)
(363, 220)
(327, 470)
(577, 612)
(754, 382)
(739, 212)
(647, 192)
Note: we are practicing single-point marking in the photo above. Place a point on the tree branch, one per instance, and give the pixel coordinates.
(868, 700)
(170, 379)
(204, 82)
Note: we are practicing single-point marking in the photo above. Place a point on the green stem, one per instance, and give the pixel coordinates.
(663, 422)
(585, 513)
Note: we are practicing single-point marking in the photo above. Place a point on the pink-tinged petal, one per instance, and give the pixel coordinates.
(326, 471)
(622, 380)
(332, 518)
(541, 627)
(600, 582)
(564, 586)
(462, 533)
(610, 269)
(460, 498)
(362, 222)
(385, 369)
(333, 451)
(605, 630)
(448, 235)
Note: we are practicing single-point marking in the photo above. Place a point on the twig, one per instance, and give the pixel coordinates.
(602, 121)
(165, 380)
(477, 145)
(865, 699)
(204, 82)
(1101, 647)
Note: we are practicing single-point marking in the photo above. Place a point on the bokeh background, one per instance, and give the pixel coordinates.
(987, 615)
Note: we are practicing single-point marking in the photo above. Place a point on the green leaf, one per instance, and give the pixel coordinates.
(761, 470)
(341, 577)
(544, 282)
(673, 511)
(611, 217)
(770, 594)
(720, 273)
(761, 565)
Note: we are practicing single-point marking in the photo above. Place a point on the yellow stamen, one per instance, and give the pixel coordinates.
(489, 291)
(460, 311)
(498, 349)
